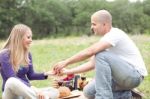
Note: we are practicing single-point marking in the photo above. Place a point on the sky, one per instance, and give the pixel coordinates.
(129, 0)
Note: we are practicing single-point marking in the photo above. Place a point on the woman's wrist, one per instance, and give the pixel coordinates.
(49, 73)
(45, 74)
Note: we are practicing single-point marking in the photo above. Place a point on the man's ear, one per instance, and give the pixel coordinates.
(104, 24)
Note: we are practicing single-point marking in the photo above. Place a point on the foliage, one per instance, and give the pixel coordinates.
(71, 17)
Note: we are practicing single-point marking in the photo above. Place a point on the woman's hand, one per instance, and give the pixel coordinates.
(50, 73)
(40, 95)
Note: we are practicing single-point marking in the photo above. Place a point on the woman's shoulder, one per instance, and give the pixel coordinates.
(4, 53)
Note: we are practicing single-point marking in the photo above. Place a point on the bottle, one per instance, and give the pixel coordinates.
(76, 84)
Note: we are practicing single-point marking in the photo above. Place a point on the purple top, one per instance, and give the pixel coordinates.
(24, 73)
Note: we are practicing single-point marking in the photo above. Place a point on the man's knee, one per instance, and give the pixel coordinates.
(88, 93)
(102, 54)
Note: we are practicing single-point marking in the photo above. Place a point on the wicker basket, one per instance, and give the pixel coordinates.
(136, 94)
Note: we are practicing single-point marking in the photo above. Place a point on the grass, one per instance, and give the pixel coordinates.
(47, 52)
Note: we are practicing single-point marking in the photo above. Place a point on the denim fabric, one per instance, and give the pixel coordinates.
(89, 92)
(114, 77)
(125, 94)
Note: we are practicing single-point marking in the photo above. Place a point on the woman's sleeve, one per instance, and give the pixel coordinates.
(31, 74)
(6, 69)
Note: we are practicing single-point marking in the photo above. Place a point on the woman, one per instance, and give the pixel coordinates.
(17, 69)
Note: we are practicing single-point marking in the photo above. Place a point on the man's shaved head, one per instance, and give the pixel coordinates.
(103, 16)
(101, 22)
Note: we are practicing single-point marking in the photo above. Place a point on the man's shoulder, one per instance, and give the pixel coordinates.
(118, 33)
(117, 30)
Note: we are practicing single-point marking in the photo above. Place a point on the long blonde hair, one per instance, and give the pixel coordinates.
(18, 55)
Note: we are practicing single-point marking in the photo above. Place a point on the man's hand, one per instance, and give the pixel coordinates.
(59, 66)
(65, 71)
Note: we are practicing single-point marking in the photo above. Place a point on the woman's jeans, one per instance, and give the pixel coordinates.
(16, 89)
(112, 75)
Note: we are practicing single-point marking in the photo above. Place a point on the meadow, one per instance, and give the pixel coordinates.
(46, 52)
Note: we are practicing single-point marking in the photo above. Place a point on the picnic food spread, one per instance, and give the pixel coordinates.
(70, 86)
(64, 91)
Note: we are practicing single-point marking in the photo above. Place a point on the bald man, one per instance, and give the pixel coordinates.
(117, 61)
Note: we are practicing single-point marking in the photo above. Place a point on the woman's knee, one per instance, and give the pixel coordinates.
(11, 83)
(53, 93)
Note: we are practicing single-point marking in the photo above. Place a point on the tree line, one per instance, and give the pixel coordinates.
(71, 17)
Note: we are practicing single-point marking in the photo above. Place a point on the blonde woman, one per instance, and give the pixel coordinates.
(17, 68)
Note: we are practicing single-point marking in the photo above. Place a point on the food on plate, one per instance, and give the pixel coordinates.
(64, 91)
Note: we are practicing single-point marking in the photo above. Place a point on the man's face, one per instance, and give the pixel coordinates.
(96, 26)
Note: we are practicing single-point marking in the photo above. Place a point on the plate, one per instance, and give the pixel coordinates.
(74, 93)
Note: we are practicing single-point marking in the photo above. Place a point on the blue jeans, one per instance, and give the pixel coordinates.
(112, 75)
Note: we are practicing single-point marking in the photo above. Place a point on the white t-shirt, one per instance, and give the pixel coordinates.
(124, 47)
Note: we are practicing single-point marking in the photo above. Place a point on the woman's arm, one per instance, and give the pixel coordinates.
(32, 75)
(6, 69)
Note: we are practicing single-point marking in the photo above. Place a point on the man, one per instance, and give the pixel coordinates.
(116, 59)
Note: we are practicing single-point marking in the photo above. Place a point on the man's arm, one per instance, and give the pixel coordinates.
(92, 50)
(82, 68)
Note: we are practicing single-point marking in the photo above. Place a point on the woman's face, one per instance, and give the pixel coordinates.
(27, 39)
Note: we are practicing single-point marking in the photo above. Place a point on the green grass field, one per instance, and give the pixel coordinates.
(47, 52)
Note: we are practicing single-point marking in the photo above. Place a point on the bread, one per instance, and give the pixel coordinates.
(64, 91)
